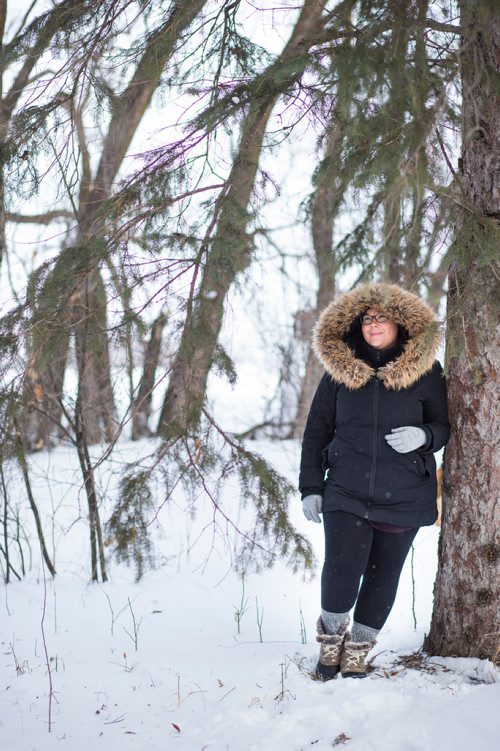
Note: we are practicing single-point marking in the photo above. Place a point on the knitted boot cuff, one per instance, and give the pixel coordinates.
(361, 633)
(325, 638)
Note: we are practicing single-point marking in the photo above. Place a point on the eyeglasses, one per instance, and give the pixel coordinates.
(379, 317)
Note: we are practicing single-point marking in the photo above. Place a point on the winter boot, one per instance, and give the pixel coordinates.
(352, 659)
(329, 652)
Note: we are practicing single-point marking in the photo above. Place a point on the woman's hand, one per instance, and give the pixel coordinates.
(406, 438)
(311, 506)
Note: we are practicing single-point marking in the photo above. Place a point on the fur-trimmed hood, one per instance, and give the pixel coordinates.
(335, 325)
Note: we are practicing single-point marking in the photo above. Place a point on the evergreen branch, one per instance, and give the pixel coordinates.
(132, 103)
(24, 19)
(226, 10)
(45, 27)
(217, 507)
(86, 178)
(141, 213)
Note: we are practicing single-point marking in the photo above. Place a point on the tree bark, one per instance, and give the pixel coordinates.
(465, 616)
(97, 557)
(141, 408)
(3, 18)
(392, 265)
(40, 420)
(229, 252)
(327, 198)
(92, 357)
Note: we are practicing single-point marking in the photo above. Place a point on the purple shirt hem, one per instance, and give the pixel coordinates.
(383, 527)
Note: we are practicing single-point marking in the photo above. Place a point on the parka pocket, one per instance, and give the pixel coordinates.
(329, 455)
(325, 463)
(418, 463)
(333, 453)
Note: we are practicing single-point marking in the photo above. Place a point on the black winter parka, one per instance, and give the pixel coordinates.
(362, 396)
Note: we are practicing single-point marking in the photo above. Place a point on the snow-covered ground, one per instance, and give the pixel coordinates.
(183, 677)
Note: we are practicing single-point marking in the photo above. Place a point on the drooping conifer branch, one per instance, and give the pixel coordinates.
(229, 252)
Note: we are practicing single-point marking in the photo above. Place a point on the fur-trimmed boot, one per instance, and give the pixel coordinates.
(352, 659)
(329, 652)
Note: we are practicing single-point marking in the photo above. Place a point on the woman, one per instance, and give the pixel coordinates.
(367, 462)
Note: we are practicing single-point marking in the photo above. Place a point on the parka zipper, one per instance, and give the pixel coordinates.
(371, 487)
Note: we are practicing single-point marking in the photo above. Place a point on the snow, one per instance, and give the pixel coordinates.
(194, 683)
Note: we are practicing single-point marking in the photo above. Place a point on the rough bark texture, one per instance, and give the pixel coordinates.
(465, 620)
(229, 252)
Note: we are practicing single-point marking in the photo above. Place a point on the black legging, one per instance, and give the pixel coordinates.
(353, 549)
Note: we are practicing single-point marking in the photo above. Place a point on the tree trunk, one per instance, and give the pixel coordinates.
(465, 617)
(330, 188)
(92, 357)
(21, 458)
(91, 340)
(43, 385)
(97, 557)
(229, 252)
(141, 408)
(412, 270)
(392, 265)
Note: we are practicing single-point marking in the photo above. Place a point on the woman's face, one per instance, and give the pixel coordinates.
(378, 334)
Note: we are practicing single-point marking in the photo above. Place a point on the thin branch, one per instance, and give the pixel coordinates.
(47, 218)
(438, 26)
(21, 458)
(86, 180)
(25, 18)
(44, 642)
(445, 154)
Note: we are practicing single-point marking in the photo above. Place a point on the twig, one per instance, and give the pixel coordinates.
(241, 610)
(413, 588)
(136, 626)
(47, 660)
(260, 618)
(21, 458)
(227, 693)
(303, 630)
(5, 549)
(113, 616)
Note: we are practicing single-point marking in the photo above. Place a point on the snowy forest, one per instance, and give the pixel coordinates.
(184, 186)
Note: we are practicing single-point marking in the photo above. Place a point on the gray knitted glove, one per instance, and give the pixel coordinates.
(406, 438)
(311, 506)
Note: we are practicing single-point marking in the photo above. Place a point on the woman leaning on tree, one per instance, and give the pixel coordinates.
(367, 464)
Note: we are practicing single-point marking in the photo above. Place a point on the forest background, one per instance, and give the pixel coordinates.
(183, 187)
